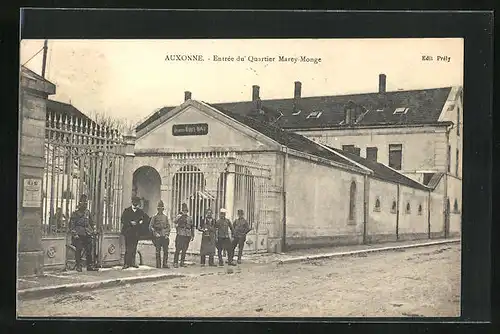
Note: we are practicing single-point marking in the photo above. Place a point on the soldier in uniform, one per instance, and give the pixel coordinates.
(223, 225)
(207, 227)
(160, 226)
(185, 234)
(241, 228)
(132, 219)
(82, 229)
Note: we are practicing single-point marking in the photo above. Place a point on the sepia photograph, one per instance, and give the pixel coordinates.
(240, 177)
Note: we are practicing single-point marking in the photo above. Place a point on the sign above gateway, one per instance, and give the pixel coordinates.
(198, 129)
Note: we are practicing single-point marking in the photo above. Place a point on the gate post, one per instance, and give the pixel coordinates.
(128, 165)
(230, 184)
(34, 92)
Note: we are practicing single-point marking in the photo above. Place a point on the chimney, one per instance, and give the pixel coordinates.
(296, 96)
(255, 92)
(350, 113)
(187, 95)
(298, 90)
(257, 103)
(381, 83)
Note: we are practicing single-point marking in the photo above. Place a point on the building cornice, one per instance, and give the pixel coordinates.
(375, 126)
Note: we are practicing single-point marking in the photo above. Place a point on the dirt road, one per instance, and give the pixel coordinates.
(415, 282)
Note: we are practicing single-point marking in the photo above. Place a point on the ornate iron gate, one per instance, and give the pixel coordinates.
(81, 158)
(218, 180)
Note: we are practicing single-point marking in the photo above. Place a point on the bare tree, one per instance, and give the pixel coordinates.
(103, 119)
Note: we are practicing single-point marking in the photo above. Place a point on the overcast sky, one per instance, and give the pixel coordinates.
(130, 78)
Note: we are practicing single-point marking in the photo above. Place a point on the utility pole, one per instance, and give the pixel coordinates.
(44, 61)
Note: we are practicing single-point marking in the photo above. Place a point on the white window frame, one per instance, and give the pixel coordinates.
(400, 111)
(315, 114)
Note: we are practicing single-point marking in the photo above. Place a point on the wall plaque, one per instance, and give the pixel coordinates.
(32, 193)
(199, 129)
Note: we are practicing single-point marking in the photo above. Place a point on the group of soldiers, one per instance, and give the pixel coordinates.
(215, 235)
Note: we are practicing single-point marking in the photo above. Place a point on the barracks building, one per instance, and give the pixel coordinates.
(308, 171)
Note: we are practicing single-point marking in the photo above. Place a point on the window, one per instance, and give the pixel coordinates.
(458, 121)
(352, 202)
(377, 205)
(395, 156)
(348, 148)
(420, 209)
(371, 153)
(394, 207)
(408, 208)
(455, 206)
(448, 157)
(400, 111)
(315, 114)
(456, 163)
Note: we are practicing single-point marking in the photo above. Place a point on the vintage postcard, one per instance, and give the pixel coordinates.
(240, 178)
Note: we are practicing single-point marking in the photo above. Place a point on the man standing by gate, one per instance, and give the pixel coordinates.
(132, 219)
(222, 226)
(185, 234)
(241, 228)
(160, 226)
(82, 229)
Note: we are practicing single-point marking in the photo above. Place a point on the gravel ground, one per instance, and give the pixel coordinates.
(414, 282)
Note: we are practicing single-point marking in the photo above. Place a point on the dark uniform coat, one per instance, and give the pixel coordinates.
(241, 228)
(184, 225)
(128, 216)
(81, 223)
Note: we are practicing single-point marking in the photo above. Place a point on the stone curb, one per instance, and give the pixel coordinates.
(35, 293)
(363, 251)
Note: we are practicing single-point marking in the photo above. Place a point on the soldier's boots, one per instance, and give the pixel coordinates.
(176, 265)
(158, 261)
(165, 263)
(183, 265)
(239, 261)
(92, 269)
(79, 269)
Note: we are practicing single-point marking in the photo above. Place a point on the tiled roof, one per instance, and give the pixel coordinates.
(289, 139)
(160, 112)
(300, 143)
(381, 171)
(61, 108)
(424, 107)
